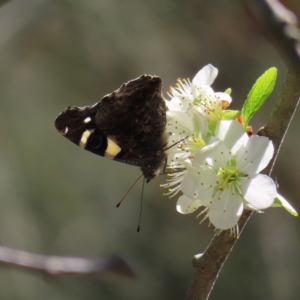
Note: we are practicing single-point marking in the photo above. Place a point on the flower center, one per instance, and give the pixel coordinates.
(229, 177)
(195, 144)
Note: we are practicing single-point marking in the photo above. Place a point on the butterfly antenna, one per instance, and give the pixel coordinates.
(175, 143)
(119, 203)
(141, 207)
(166, 160)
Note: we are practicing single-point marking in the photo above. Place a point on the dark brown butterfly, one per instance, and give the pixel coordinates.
(128, 125)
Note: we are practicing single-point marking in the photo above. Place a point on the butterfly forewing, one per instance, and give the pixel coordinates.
(127, 125)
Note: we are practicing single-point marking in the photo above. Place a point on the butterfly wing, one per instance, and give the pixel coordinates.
(127, 125)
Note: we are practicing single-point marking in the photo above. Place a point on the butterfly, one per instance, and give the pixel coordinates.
(128, 125)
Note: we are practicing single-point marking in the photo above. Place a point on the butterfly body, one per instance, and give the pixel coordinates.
(127, 125)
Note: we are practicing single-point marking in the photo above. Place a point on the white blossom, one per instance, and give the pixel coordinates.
(198, 93)
(224, 177)
(216, 165)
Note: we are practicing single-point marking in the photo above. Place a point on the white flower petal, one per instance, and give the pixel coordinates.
(176, 157)
(200, 124)
(175, 104)
(206, 76)
(179, 122)
(225, 213)
(259, 151)
(205, 92)
(197, 186)
(189, 185)
(223, 97)
(214, 155)
(186, 205)
(231, 133)
(260, 191)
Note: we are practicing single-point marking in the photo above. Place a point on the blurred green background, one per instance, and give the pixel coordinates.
(57, 199)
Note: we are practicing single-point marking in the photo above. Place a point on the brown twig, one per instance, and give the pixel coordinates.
(210, 263)
(58, 265)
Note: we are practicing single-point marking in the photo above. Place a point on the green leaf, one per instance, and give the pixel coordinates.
(258, 94)
(230, 114)
(281, 202)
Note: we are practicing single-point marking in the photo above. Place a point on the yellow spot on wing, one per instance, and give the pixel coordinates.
(112, 148)
(84, 138)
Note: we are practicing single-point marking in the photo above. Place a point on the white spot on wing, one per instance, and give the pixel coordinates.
(65, 131)
(87, 120)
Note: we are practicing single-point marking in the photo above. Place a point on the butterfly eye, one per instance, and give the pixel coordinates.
(95, 142)
(141, 94)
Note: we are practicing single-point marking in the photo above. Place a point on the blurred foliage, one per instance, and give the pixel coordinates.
(57, 199)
